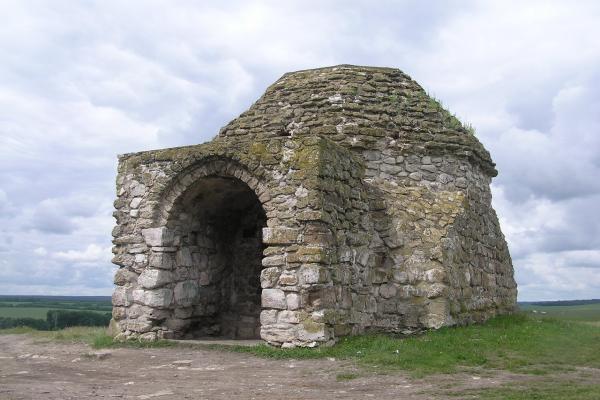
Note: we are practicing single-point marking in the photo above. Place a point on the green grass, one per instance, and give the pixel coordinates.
(517, 343)
(346, 376)
(547, 390)
(95, 337)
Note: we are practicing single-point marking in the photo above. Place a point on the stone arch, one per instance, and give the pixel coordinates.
(212, 216)
(210, 166)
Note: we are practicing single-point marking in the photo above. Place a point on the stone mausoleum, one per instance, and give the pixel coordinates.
(345, 200)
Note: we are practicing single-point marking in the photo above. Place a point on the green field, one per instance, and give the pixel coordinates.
(33, 312)
(54, 312)
(38, 306)
(585, 312)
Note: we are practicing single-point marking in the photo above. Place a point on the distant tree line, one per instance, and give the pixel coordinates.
(58, 319)
(564, 302)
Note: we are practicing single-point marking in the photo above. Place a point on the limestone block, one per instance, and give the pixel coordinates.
(184, 258)
(312, 273)
(119, 313)
(135, 202)
(309, 254)
(122, 296)
(273, 261)
(153, 278)
(288, 317)
(161, 237)
(160, 298)
(268, 317)
(273, 298)
(124, 276)
(137, 189)
(437, 313)
(436, 275)
(278, 333)
(161, 260)
(436, 290)
(387, 291)
(186, 293)
(293, 301)
(310, 331)
(280, 235)
(269, 276)
(204, 279)
(138, 325)
(288, 278)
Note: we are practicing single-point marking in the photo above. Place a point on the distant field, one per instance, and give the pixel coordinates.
(38, 306)
(34, 312)
(585, 312)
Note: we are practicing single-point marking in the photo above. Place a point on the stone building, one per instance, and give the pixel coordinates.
(345, 200)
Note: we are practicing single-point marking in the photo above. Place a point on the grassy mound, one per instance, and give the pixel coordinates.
(518, 343)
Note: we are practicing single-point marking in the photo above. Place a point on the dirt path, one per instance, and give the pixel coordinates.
(50, 370)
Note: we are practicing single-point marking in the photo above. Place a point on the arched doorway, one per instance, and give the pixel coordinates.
(219, 222)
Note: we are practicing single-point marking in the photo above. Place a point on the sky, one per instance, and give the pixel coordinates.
(83, 81)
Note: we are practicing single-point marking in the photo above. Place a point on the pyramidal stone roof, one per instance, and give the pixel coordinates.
(364, 108)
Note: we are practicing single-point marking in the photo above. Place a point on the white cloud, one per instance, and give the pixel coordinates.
(40, 251)
(91, 254)
(82, 82)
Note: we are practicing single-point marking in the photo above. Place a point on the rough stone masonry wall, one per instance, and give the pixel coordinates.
(378, 214)
(164, 277)
(427, 172)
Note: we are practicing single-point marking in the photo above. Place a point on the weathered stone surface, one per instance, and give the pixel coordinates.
(122, 297)
(273, 298)
(280, 235)
(159, 298)
(269, 277)
(124, 276)
(153, 278)
(186, 293)
(158, 237)
(349, 196)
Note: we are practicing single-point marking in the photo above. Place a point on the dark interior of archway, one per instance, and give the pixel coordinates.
(221, 222)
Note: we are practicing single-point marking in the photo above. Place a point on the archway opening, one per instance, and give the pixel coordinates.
(219, 221)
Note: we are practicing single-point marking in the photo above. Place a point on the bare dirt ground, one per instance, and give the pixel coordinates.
(51, 370)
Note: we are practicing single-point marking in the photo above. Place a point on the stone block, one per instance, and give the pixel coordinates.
(138, 325)
(273, 298)
(273, 261)
(310, 331)
(154, 278)
(293, 301)
(387, 291)
(159, 298)
(161, 260)
(280, 235)
(269, 277)
(312, 273)
(184, 258)
(122, 296)
(288, 317)
(278, 333)
(158, 237)
(186, 293)
(288, 278)
(268, 317)
(124, 276)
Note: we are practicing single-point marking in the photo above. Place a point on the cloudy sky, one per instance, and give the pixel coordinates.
(81, 82)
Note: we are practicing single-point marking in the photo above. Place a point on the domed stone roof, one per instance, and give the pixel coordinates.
(364, 108)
